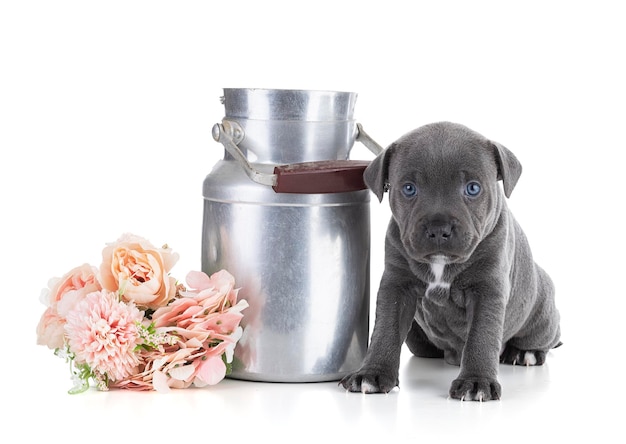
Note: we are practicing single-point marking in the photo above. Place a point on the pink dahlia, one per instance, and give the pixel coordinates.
(102, 332)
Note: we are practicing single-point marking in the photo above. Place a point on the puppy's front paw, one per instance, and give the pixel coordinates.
(369, 381)
(475, 389)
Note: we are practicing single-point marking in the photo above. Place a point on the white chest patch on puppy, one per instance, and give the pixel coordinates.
(438, 290)
(437, 268)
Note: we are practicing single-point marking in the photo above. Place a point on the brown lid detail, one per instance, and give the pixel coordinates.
(328, 176)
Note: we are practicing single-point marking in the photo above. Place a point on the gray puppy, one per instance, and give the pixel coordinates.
(460, 281)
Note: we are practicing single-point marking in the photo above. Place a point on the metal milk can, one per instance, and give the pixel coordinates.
(286, 212)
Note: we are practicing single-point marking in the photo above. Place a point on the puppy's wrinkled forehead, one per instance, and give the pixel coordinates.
(441, 149)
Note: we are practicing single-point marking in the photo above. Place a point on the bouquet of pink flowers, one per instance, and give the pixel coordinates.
(129, 324)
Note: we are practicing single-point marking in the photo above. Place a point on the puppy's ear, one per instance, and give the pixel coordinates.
(376, 174)
(509, 168)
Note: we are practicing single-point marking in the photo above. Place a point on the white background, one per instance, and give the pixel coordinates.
(106, 111)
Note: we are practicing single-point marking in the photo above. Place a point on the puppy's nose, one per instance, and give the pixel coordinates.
(439, 229)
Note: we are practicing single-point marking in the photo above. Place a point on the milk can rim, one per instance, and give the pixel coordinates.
(289, 104)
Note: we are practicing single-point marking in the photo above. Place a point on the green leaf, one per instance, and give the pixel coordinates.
(78, 388)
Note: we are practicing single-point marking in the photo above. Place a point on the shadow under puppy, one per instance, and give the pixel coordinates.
(460, 281)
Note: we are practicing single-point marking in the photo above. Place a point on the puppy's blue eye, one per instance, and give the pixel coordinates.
(473, 189)
(409, 189)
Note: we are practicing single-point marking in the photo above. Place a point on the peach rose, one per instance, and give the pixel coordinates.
(61, 296)
(139, 271)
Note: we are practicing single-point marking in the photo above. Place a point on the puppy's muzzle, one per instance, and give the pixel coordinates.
(437, 235)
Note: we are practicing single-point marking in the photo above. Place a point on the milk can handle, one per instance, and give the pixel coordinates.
(328, 176)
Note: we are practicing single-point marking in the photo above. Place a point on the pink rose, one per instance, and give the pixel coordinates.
(50, 330)
(61, 296)
(139, 271)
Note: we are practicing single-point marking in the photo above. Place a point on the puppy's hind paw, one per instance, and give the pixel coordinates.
(514, 356)
(369, 382)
